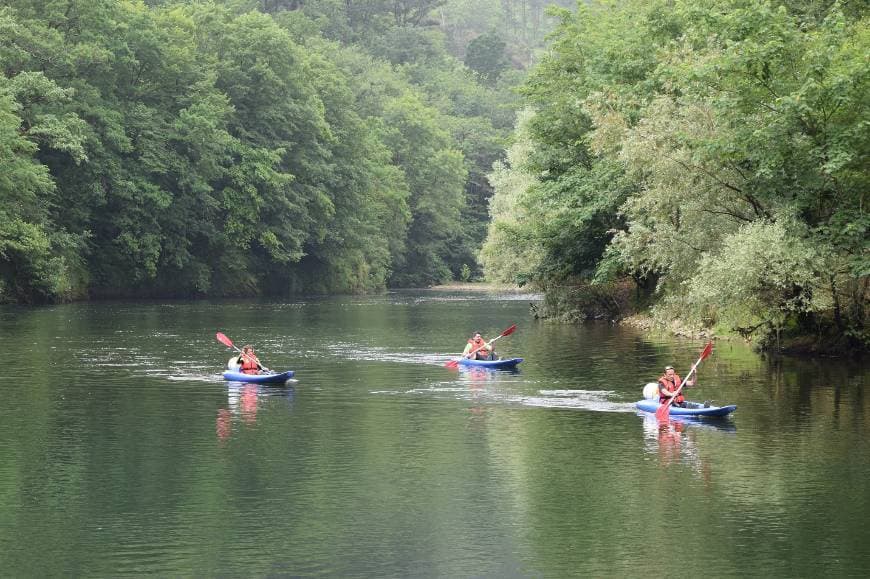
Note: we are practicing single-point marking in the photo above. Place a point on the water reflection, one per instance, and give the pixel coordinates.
(406, 468)
(243, 403)
(484, 374)
(477, 379)
(722, 424)
(675, 442)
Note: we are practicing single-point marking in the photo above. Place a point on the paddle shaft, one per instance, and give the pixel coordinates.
(683, 382)
(665, 409)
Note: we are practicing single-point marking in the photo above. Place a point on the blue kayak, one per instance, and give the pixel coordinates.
(506, 363)
(270, 378)
(696, 409)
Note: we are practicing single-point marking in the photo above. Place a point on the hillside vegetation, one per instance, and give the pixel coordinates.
(712, 153)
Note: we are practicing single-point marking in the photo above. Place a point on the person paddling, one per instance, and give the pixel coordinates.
(478, 349)
(669, 382)
(248, 361)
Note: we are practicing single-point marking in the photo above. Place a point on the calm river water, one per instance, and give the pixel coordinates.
(124, 453)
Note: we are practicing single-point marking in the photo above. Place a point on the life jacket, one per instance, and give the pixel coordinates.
(482, 352)
(250, 363)
(666, 383)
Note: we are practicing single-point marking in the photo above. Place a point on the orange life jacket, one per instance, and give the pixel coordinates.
(666, 383)
(479, 345)
(250, 363)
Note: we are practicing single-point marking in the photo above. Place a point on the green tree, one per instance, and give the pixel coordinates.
(435, 173)
(774, 153)
(210, 148)
(511, 252)
(37, 261)
(669, 138)
(486, 56)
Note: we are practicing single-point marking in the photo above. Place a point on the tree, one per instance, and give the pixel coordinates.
(668, 138)
(486, 56)
(37, 261)
(213, 149)
(435, 173)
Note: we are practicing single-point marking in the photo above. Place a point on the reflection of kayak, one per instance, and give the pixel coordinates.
(506, 363)
(258, 378)
(692, 409)
(652, 425)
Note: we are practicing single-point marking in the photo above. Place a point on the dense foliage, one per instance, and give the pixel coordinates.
(717, 151)
(714, 152)
(191, 148)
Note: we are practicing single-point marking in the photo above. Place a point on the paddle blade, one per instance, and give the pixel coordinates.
(663, 412)
(509, 331)
(707, 349)
(451, 364)
(224, 340)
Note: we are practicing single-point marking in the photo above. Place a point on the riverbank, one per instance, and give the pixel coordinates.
(822, 345)
(619, 304)
(478, 287)
(647, 323)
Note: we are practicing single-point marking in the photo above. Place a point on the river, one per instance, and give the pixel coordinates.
(125, 453)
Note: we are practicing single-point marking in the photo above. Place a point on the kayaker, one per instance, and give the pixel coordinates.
(668, 384)
(248, 361)
(478, 349)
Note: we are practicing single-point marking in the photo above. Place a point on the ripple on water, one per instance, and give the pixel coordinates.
(593, 400)
(126, 451)
(505, 394)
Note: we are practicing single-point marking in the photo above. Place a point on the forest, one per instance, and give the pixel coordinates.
(708, 159)
(251, 147)
(698, 160)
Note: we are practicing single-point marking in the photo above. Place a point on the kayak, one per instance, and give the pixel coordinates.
(506, 363)
(259, 378)
(697, 409)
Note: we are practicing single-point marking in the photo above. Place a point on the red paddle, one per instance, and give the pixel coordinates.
(226, 341)
(664, 410)
(229, 344)
(508, 332)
